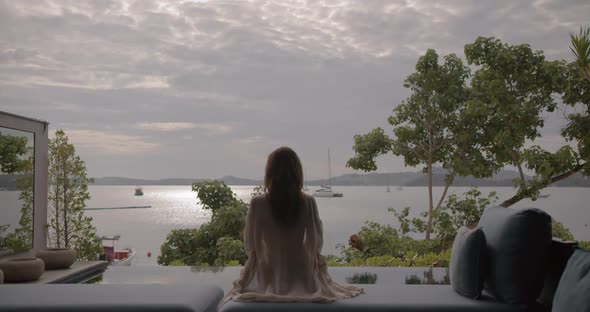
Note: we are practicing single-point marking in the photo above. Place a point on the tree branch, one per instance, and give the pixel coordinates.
(442, 144)
(516, 160)
(444, 194)
(521, 195)
(409, 149)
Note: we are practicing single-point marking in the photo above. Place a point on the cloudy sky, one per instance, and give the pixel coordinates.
(155, 89)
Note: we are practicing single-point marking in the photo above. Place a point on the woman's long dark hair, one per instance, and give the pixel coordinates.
(283, 181)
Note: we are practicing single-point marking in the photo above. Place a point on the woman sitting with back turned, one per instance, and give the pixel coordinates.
(283, 241)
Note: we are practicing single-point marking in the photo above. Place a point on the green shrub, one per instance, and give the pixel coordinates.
(215, 242)
(383, 245)
(232, 263)
(230, 250)
(457, 212)
(380, 261)
(584, 244)
(560, 231)
(177, 263)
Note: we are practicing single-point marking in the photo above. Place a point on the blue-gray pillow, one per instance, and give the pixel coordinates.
(573, 291)
(466, 267)
(518, 241)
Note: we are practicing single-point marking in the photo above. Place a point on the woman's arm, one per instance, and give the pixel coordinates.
(317, 226)
(250, 228)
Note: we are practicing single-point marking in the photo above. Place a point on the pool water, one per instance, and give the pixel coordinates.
(224, 276)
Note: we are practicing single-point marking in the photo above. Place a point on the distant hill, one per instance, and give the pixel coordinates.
(503, 178)
(230, 180)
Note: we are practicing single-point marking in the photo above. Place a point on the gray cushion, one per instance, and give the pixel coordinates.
(517, 243)
(110, 297)
(466, 267)
(573, 292)
(398, 298)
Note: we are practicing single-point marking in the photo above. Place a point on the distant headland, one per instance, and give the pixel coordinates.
(503, 178)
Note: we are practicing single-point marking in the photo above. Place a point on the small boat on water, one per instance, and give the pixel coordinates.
(138, 191)
(388, 189)
(543, 195)
(115, 256)
(326, 191)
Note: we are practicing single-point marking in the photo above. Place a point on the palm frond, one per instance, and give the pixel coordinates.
(581, 49)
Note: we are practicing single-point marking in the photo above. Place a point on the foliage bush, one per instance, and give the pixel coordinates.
(384, 245)
(230, 251)
(216, 242)
(220, 242)
(560, 231)
(177, 263)
(584, 244)
(458, 212)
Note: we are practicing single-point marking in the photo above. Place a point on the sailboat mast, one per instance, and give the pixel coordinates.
(329, 169)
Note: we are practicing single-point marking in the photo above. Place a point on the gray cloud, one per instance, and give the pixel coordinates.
(247, 76)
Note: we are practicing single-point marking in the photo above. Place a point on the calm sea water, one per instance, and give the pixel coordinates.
(175, 207)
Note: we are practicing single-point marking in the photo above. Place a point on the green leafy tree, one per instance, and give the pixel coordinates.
(214, 195)
(229, 250)
(217, 242)
(580, 47)
(383, 245)
(12, 150)
(458, 212)
(511, 88)
(3, 242)
(16, 158)
(453, 214)
(427, 127)
(574, 85)
(68, 191)
(22, 237)
(577, 93)
(181, 246)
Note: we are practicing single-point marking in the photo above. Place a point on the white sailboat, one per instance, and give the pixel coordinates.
(326, 190)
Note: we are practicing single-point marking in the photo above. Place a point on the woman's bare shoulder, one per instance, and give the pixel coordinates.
(308, 199)
(258, 200)
(307, 196)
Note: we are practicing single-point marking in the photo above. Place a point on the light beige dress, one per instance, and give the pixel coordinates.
(284, 263)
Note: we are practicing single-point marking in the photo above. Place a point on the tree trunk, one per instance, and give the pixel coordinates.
(516, 159)
(520, 196)
(56, 205)
(65, 203)
(444, 194)
(430, 202)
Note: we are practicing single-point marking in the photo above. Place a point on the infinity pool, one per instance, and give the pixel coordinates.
(224, 276)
